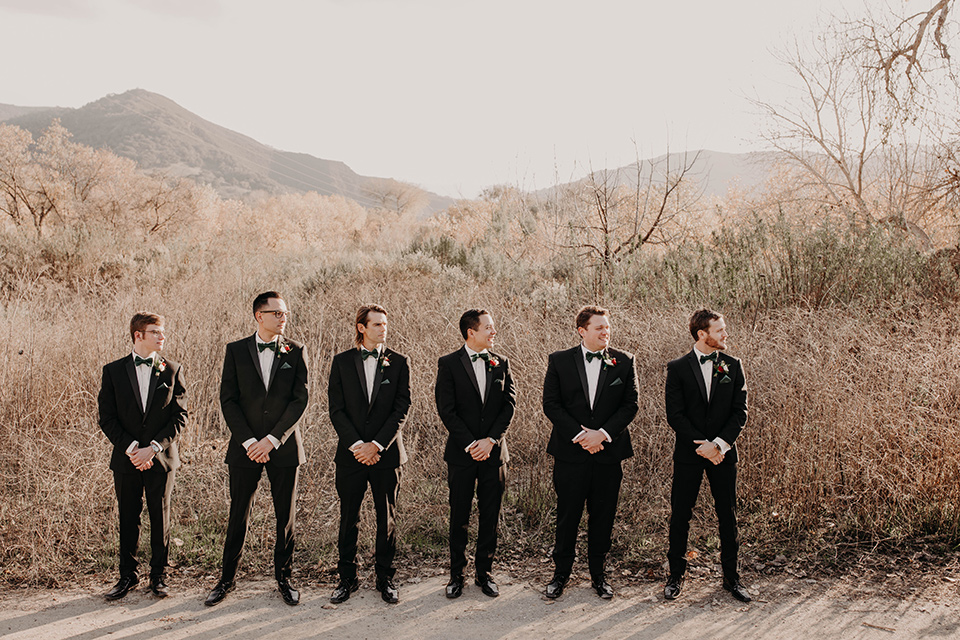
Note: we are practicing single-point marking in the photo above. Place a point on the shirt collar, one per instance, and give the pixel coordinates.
(700, 354)
(259, 341)
(470, 351)
(585, 351)
(378, 349)
(151, 356)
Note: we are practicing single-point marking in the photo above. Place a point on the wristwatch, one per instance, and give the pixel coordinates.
(156, 448)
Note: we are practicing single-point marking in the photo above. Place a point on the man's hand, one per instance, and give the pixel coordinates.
(709, 450)
(480, 450)
(142, 458)
(366, 453)
(592, 441)
(260, 451)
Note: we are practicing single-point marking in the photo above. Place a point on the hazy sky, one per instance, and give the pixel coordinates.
(451, 95)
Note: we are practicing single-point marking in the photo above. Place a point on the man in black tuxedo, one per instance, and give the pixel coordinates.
(142, 411)
(706, 401)
(590, 396)
(369, 396)
(263, 393)
(475, 401)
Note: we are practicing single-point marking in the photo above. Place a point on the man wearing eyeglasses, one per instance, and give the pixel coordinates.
(263, 393)
(142, 411)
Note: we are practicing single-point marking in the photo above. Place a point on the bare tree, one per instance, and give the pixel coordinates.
(399, 197)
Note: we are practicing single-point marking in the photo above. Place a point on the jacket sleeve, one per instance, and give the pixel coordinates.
(401, 405)
(738, 411)
(446, 397)
(566, 425)
(502, 421)
(178, 412)
(298, 402)
(629, 406)
(346, 430)
(676, 408)
(109, 417)
(230, 401)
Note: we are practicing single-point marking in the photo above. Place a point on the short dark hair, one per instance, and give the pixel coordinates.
(261, 300)
(363, 314)
(471, 320)
(700, 321)
(587, 312)
(141, 320)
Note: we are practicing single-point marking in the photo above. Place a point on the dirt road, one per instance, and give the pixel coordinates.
(787, 608)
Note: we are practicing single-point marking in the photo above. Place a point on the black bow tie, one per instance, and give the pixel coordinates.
(594, 354)
(712, 356)
(485, 356)
(266, 345)
(137, 361)
(364, 354)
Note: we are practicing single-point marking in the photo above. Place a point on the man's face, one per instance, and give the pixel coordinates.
(272, 319)
(716, 336)
(149, 340)
(375, 331)
(484, 334)
(596, 335)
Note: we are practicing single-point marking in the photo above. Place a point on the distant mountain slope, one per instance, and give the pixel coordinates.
(8, 111)
(160, 134)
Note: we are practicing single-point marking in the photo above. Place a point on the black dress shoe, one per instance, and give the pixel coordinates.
(737, 590)
(603, 588)
(290, 595)
(673, 588)
(555, 588)
(455, 587)
(122, 587)
(487, 585)
(388, 591)
(158, 586)
(219, 592)
(343, 590)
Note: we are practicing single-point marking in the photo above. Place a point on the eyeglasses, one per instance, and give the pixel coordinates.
(278, 313)
(156, 332)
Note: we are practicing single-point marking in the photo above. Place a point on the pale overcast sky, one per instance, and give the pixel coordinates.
(450, 95)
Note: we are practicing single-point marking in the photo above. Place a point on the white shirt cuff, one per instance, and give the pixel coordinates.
(247, 443)
(470, 445)
(724, 447)
(159, 446)
(379, 446)
(133, 447)
(606, 435)
(580, 435)
(273, 441)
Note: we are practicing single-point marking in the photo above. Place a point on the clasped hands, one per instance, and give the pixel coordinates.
(367, 453)
(709, 450)
(591, 440)
(480, 450)
(142, 457)
(260, 450)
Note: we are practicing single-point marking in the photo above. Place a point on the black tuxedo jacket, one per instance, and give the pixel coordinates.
(251, 411)
(465, 416)
(124, 421)
(693, 416)
(566, 403)
(380, 419)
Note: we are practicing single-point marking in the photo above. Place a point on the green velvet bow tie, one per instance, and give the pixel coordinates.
(712, 356)
(266, 345)
(137, 361)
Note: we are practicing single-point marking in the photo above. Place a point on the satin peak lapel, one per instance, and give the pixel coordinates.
(252, 347)
(132, 374)
(577, 355)
(468, 365)
(151, 389)
(698, 375)
(377, 377)
(358, 364)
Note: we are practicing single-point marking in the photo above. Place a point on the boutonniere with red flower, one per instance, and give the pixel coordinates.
(722, 367)
(284, 348)
(608, 360)
(159, 365)
(492, 363)
(384, 362)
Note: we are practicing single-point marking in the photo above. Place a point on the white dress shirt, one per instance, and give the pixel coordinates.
(593, 367)
(370, 373)
(480, 369)
(144, 375)
(267, 358)
(706, 369)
